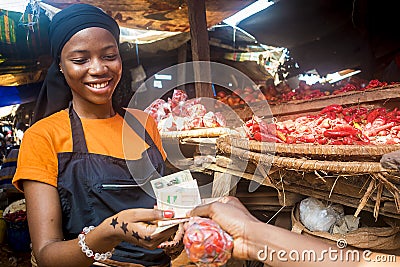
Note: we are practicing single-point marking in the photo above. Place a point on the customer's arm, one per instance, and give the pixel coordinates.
(255, 240)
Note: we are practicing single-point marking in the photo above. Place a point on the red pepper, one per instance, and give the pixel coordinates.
(332, 108)
(312, 117)
(254, 128)
(260, 136)
(348, 118)
(355, 118)
(348, 111)
(346, 128)
(336, 134)
(321, 140)
(392, 114)
(250, 122)
(306, 138)
(331, 115)
(361, 111)
(290, 139)
(348, 140)
(376, 130)
(372, 115)
(336, 142)
(364, 139)
(358, 142)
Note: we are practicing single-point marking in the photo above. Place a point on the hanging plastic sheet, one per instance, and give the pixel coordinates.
(22, 36)
(7, 28)
(11, 95)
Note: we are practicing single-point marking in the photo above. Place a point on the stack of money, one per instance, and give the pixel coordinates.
(178, 192)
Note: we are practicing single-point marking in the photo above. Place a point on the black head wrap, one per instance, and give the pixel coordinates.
(55, 93)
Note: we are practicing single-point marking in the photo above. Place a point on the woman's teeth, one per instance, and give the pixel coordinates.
(98, 85)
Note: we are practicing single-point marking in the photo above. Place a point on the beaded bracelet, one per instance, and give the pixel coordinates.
(85, 249)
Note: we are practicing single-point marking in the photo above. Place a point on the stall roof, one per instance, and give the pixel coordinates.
(162, 15)
(24, 51)
(21, 47)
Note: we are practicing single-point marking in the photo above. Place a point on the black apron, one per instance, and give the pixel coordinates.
(93, 187)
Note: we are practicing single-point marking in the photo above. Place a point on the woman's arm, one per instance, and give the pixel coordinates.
(45, 227)
(255, 240)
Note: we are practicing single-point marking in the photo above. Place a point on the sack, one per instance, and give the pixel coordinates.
(373, 238)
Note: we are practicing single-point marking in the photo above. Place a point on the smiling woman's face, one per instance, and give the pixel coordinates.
(92, 66)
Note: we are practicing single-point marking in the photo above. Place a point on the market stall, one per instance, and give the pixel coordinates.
(328, 147)
(277, 146)
(308, 149)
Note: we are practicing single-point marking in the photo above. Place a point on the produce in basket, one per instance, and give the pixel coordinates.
(206, 244)
(15, 212)
(333, 125)
(181, 114)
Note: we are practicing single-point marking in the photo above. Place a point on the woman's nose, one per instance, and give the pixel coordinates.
(97, 67)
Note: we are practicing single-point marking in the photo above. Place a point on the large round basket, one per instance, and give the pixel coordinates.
(313, 151)
(271, 154)
(17, 232)
(15, 206)
(380, 185)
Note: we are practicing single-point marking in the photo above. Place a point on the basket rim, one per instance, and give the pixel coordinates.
(198, 132)
(308, 149)
(302, 164)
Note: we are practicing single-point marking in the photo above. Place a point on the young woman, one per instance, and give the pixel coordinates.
(73, 167)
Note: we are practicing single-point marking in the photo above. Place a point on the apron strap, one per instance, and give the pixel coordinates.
(138, 128)
(78, 136)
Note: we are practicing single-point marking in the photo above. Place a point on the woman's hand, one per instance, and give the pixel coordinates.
(138, 225)
(233, 217)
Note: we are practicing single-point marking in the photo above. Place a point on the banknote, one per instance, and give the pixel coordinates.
(178, 192)
(180, 198)
(170, 180)
(163, 225)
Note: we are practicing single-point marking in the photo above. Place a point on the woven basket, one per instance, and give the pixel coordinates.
(301, 164)
(381, 179)
(375, 238)
(313, 151)
(206, 132)
(15, 206)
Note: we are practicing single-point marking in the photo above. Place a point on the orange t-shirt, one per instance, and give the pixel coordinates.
(37, 159)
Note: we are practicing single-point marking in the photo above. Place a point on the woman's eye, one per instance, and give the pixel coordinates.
(79, 60)
(110, 57)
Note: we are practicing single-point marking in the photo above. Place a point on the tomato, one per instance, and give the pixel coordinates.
(206, 243)
(221, 94)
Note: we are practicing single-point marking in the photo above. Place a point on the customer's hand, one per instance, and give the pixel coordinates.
(233, 217)
(138, 225)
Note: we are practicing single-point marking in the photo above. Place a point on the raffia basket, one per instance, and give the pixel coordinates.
(312, 151)
(323, 163)
(274, 154)
(203, 132)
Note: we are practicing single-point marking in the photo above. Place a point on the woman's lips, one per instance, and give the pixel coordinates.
(98, 85)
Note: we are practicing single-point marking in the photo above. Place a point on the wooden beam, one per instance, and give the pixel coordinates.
(387, 97)
(200, 46)
(182, 57)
